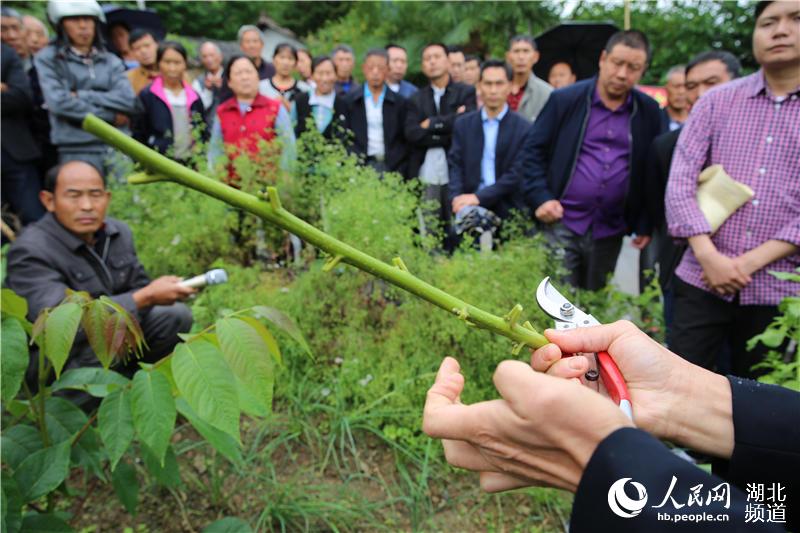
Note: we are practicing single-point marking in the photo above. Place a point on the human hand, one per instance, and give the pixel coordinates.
(463, 200)
(672, 398)
(536, 434)
(165, 290)
(3, 86)
(641, 241)
(425, 123)
(461, 109)
(723, 274)
(550, 211)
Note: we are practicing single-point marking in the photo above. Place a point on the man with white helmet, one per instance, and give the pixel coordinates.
(78, 76)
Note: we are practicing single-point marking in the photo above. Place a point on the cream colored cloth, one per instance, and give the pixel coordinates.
(719, 195)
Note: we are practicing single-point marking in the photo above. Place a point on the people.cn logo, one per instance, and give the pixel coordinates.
(621, 504)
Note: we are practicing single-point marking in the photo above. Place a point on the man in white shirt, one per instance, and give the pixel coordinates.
(376, 117)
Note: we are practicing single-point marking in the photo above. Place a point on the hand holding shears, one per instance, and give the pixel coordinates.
(567, 316)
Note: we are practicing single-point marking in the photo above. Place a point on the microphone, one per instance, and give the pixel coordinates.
(212, 277)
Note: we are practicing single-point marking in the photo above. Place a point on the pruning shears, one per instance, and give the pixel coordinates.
(567, 316)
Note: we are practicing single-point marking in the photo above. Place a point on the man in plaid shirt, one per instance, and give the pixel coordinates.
(751, 127)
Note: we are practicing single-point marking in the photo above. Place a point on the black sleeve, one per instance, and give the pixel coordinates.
(17, 99)
(455, 163)
(653, 198)
(416, 134)
(641, 471)
(533, 157)
(766, 425)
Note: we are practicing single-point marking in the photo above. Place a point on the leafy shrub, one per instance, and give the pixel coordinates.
(210, 379)
(783, 367)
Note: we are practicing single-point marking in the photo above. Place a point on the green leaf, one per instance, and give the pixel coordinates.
(126, 486)
(18, 442)
(787, 276)
(283, 322)
(45, 523)
(221, 441)
(266, 336)
(98, 382)
(14, 347)
(153, 410)
(115, 424)
(43, 471)
(64, 421)
(93, 322)
(247, 355)
(12, 503)
(229, 524)
(166, 473)
(60, 330)
(205, 380)
(13, 305)
(771, 337)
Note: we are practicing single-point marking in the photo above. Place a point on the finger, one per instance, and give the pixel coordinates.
(591, 339)
(569, 367)
(545, 356)
(464, 455)
(443, 416)
(516, 381)
(497, 482)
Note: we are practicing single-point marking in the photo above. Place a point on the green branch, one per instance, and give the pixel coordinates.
(160, 168)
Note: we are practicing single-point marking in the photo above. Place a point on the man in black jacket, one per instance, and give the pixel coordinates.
(376, 117)
(548, 430)
(432, 111)
(485, 146)
(20, 176)
(583, 162)
(75, 246)
(704, 71)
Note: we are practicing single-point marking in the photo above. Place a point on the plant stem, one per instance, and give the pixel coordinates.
(86, 426)
(161, 168)
(42, 386)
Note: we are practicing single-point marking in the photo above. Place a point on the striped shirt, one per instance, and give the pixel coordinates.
(755, 136)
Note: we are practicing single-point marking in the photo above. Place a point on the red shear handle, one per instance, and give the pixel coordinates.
(612, 378)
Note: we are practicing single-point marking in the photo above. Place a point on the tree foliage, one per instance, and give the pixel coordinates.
(681, 29)
(48, 436)
(482, 28)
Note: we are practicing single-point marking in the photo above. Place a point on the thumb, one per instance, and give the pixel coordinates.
(591, 339)
(442, 399)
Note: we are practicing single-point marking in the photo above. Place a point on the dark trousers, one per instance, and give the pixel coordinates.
(703, 323)
(21, 185)
(589, 261)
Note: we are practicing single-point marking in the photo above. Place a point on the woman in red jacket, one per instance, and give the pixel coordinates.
(248, 117)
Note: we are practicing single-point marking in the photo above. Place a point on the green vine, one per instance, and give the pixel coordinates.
(160, 168)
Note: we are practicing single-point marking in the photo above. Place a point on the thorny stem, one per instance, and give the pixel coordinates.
(160, 168)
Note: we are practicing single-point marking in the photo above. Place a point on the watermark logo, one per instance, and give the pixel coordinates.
(619, 502)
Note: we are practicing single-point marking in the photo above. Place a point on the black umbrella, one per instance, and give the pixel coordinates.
(133, 19)
(577, 43)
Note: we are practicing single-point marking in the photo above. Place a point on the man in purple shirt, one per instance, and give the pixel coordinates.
(724, 290)
(583, 162)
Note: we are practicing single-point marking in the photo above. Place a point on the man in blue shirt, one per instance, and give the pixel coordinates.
(485, 145)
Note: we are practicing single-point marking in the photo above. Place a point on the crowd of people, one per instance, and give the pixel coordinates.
(588, 161)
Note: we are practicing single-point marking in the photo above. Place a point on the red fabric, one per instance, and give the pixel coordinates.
(244, 131)
(515, 99)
